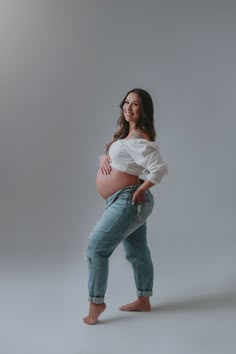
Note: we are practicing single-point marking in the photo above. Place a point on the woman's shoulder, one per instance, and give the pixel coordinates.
(140, 144)
(137, 136)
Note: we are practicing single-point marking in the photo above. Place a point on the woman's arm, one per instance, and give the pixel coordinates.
(145, 185)
(139, 195)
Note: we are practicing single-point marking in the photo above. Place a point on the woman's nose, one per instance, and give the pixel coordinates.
(129, 108)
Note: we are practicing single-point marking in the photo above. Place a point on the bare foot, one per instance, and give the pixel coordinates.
(95, 311)
(141, 304)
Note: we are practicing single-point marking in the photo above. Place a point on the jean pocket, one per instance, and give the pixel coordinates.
(111, 201)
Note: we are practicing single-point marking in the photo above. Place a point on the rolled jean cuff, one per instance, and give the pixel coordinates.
(96, 300)
(144, 293)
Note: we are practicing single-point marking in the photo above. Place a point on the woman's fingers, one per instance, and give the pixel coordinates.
(106, 167)
(105, 170)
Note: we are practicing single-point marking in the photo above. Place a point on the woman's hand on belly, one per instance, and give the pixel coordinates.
(104, 164)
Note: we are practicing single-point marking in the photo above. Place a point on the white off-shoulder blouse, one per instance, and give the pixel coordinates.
(138, 156)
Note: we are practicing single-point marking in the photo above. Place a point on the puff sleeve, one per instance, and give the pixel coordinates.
(147, 154)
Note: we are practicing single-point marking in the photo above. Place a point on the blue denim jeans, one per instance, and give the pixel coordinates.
(121, 222)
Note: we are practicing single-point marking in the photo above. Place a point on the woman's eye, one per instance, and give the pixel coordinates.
(135, 103)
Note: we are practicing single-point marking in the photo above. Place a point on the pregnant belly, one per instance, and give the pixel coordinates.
(110, 183)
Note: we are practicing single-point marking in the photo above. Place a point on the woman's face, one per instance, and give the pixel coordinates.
(132, 107)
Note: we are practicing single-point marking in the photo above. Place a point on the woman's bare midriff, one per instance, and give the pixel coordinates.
(108, 184)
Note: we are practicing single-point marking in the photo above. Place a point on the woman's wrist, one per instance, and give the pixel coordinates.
(145, 185)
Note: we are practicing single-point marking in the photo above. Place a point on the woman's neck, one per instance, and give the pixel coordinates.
(135, 134)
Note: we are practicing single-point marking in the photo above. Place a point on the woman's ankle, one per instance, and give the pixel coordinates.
(144, 299)
(95, 304)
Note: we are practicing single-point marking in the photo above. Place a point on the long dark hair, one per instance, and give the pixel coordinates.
(145, 122)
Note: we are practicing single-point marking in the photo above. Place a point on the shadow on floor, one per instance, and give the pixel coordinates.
(204, 302)
(199, 302)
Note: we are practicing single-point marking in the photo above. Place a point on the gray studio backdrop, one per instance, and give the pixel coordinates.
(64, 68)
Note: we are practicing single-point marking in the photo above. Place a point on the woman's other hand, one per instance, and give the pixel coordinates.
(104, 164)
(138, 196)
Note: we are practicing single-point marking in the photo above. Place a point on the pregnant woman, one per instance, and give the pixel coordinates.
(132, 152)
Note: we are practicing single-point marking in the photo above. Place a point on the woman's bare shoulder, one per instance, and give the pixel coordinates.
(145, 136)
(138, 135)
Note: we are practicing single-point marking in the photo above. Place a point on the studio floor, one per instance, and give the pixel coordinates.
(193, 308)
